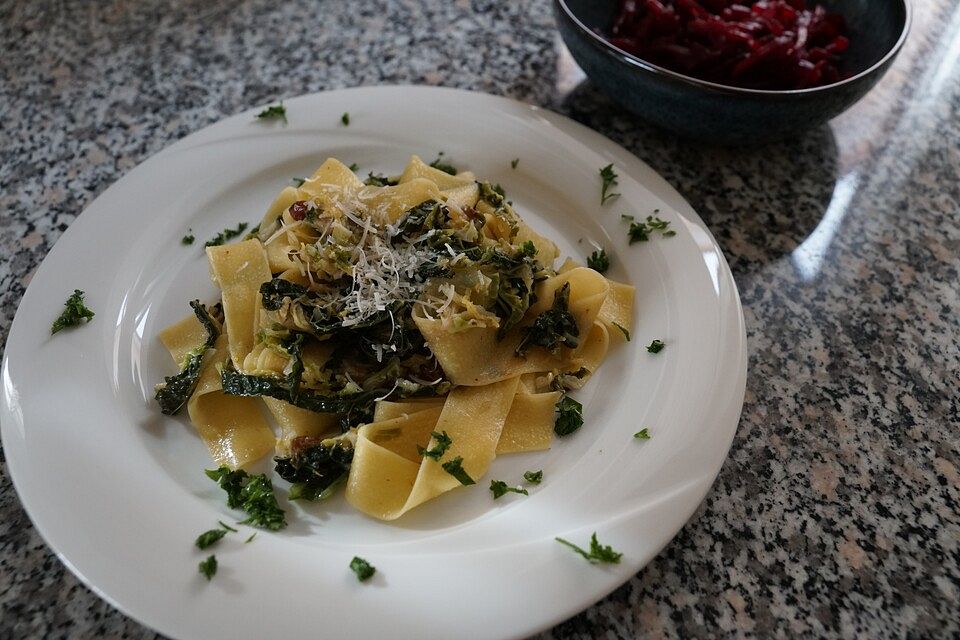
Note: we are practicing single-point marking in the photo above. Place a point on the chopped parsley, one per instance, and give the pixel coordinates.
(226, 235)
(656, 346)
(253, 494)
(443, 165)
(345, 119)
(455, 468)
(209, 538)
(500, 489)
(569, 416)
(643, 434)
(208, 567)
(226, 526)
(623, 330)
(609, 178)
(514, 163)
(274, 112)
(641, 231)
(298, 182)
(188, 239)
(598, 261)
(354, 166)
(534, 477)
(378, 180)
(250, 539)
(74, 312)
(598, 553)
(443, 443)
(362, 568)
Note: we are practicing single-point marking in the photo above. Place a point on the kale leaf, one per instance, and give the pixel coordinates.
(315, 466)
(554, 328)
(569, 416)
(174, 392)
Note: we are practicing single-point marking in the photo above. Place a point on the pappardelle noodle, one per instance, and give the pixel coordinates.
(401, 332)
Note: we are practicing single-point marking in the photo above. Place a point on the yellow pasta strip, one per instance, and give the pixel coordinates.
(394, 202)
(473, 418)
(617, 309)
(295, 422)
(416, 168)
(183, 337)
(232, 427)
(239, 269)
(386, 410)
(529, 425)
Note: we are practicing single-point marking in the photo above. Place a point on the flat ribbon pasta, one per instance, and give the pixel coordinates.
(385, 483)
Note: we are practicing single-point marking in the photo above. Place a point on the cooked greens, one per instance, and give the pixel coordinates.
(443, 165)
(455, 468)
(569, 416)
(316, 466)
(226, 235)
(554, 328)
(499, 488)
(533, 477)
(253, 494)
(174, 392)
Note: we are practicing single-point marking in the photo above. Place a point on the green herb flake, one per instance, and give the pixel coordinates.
(624, 331)
(499, 489)
(209, 538)
(226, 235)
(378, 180)
(638, 232)
(443, 443)
(274, 112)
(188, 239)
(443, 165)
(354, 166)
(625, 217)
(598, 553)
(598, 261)
(569, 416)
(298, 182)
(554, 328)
(609, 178)
(250, 539)
(669, 233)
(514, 163)
(643, 434)
(208, 567)
(656, 346)
(534, 477)
(226, 526)
(345, 119)
(362, 568)
(74, 312)
(253, 494)
(455, 468)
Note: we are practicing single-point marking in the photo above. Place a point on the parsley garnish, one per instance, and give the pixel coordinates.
(225, 235)
(74, 312)
(362, 568)
(443, 165)
(443, 443)
(354, 166)
(623, 330)
(500, 488)
(640, 231)
(345, 119)
(643, 434)
(455, 468)
(208, 538)
(598, 553)
(226, 526)
(298, 182)
(534, 477)
(273, 112)
(609, 178)
(569, 416)
(253, 494)
(598, 261)
(656, 346)
(250, 539)
(514, 163)
(208, 567)
(528, 249)
(188, 239)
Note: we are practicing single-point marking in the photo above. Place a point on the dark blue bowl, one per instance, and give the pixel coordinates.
(723, 114)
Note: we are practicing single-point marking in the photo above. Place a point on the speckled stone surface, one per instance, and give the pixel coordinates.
(836, 513)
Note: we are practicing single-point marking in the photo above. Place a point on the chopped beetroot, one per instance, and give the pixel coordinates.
(763, 44)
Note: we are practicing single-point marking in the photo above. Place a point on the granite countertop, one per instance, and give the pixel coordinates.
(836, 513)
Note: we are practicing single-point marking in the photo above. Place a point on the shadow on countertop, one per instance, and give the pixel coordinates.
(761, 203)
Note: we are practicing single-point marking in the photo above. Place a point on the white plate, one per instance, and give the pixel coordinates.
(118, 490)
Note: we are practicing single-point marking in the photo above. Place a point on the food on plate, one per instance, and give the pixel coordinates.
(401, 332)
(764, 44)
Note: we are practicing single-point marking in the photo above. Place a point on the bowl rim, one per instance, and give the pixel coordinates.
(606, 47)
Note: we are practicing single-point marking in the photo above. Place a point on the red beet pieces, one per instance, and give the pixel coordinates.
(766, 44)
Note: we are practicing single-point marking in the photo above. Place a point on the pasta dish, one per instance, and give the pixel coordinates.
(400, 332)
